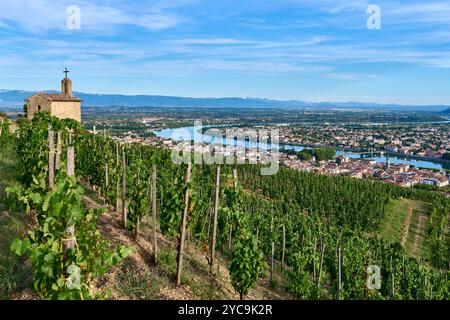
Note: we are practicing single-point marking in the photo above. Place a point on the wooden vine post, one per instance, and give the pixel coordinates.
(339, 273)
(71, 240)
(124, 188)
(272, 261)
(51, 159)
(314, 259)
(118, 178)
(216, 209)
(321, 264)
(155, 243)
(58, 150)
(272, 253)
(230, 235)
(183, 226)
(392, 279)
(283, 248)
(106, 168)
(70, 161)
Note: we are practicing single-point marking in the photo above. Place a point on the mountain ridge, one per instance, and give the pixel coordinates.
(16, 98)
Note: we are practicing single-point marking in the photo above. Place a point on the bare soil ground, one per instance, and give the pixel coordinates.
(139, 277)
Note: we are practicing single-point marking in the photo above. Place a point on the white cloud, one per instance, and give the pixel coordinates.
(44, 15)
(350, 76)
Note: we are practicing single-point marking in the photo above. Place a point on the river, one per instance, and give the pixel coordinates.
(188, 133)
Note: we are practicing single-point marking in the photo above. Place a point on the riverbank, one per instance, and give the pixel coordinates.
(355, 154)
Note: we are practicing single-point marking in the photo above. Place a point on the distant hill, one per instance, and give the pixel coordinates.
(446, 111)
(15, 98)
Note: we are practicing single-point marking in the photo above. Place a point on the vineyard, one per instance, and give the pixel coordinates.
(313, 236)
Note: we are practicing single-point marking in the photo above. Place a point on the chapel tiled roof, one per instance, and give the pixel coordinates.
(58, 97)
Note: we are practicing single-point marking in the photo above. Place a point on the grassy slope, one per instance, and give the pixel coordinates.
(405, 222)
(14, 273)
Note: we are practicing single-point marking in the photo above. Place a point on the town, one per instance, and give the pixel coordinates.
(430, 141)
(400, 174)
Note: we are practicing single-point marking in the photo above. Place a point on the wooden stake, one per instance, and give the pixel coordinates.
(283, 248)
(321, 264)
(272, 262)
(273, 251)
(124, 188)
(393, 282)
(117, 177)
(209, 220)
(70, 161)
(216, 209)
(183, 227)
(58, 150)
(51, 159)
(339, 273)
(235, 178)
(70, 242)
(392, 279)
(155, 243)
(230, 237)
(314, 259)
(106, 178)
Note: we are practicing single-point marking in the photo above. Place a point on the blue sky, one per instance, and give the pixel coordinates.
(312, 50)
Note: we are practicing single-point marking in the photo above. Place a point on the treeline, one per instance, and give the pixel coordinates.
(320, 154)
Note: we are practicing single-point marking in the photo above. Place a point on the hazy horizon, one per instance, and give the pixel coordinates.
(284, 50)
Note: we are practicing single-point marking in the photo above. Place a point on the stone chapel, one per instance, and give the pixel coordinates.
(62, 105)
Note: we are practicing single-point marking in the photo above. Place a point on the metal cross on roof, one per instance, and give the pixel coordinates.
(66, 72)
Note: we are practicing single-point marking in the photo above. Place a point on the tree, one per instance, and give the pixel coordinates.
(305, 155)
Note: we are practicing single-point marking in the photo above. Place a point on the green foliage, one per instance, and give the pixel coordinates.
(301, 283)
(314, 209)
(32, 145)
(305, 155)
(56, 210)
(5, 134)
(320, 154)
(173, 207)
(446, 156)
(247, 263)
(437, 230)
(247, 259)
(60, 271)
